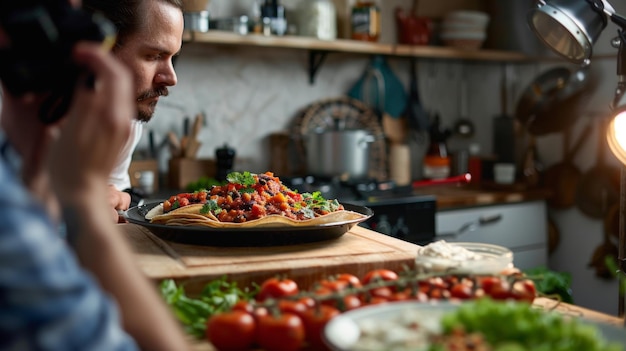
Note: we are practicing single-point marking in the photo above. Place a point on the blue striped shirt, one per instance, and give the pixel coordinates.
(47, 301)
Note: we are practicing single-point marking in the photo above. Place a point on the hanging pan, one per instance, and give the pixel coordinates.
(553, 100)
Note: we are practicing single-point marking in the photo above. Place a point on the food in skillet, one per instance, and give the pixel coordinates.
(249, 200)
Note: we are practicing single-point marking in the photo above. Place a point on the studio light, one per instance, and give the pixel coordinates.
(570, 28)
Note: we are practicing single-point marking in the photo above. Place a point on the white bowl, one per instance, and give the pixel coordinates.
(456, 25)
(463, 258)
(465, 16)
(455, 34)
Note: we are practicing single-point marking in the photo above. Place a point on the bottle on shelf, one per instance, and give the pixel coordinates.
(437, 158)
(365, 21)
(474, 164)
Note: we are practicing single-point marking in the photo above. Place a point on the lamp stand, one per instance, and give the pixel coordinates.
(621, 273)
(621, 256)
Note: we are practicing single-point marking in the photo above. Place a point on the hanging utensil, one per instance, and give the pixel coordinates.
(564, 177)
(463, 127)
(381, 88)
(552, 100)
(416, 114)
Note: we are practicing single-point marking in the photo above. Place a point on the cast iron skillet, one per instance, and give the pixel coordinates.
(254, 237)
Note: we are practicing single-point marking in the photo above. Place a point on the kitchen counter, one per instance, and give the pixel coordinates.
(486, 194)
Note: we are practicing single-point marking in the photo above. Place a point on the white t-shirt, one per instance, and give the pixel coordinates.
(119, 176)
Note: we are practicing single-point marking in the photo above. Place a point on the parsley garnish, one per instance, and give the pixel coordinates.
(245, 178)
(210, 206)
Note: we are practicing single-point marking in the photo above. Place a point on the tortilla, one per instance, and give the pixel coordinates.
(191, 216)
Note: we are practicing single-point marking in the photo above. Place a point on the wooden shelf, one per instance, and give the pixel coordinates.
(353, 46)
(318, 49)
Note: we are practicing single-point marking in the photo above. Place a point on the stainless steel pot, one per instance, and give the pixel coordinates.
(338, 153)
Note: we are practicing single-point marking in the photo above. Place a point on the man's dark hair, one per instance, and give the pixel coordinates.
(126, 15)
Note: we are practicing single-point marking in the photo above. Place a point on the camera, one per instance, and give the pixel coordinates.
(41, 35)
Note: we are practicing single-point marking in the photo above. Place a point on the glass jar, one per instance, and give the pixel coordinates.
(437, 161)
(318, 19)
(365, 21)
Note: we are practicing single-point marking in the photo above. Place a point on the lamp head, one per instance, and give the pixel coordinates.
(568, 27)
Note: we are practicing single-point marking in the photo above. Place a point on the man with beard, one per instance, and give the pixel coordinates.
(149, 36)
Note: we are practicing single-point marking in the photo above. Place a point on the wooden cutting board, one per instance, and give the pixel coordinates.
(356, 252)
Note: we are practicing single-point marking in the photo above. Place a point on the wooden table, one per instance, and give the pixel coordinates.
(358, 251)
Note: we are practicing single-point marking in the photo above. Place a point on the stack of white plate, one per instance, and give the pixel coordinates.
(464, 29)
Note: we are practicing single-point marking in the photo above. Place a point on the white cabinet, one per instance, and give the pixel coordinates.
(521, 227)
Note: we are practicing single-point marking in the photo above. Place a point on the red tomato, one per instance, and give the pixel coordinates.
(461, 291)
(524, 290)
(400, 296)
(499, 289)
(345, 303)
(280, 332)
(438, 294)
(308, 301)
(296, 307)
(334, 285)
(314, 321)
(381, 273)
(276, 288)
(353, 280)
(375, 300)
(383, 291)
(244, 306)
(487, 283)
(231, 331)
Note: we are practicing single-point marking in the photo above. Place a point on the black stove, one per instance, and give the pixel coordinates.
(398, 212)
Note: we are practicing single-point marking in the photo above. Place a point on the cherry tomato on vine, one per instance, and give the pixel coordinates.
(382, 291)
(353, 280)
(461, 291)
(280, 332)
(488, 283)
(344, 303)
(244, 306)
(499, 289)
(296, 307)
(381, 273)
(315, 320)
(276, 288)
(231, 331)
(524, 290)
(334, 285)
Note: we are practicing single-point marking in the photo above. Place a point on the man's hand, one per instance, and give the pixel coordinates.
(119, 201)
(95, 130)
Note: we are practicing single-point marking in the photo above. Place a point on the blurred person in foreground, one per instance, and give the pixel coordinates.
(52, 297)
(149, 36)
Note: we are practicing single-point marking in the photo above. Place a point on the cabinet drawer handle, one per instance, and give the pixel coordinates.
(471, 226)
